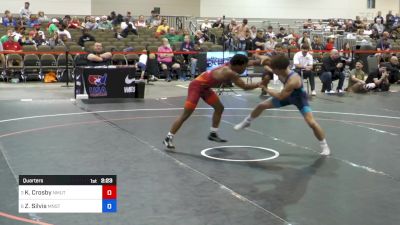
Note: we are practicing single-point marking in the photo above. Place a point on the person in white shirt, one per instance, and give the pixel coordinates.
(63, 32)
(303, 63)
(125, 23)
(305, 39)
(25, 12)
(205, 26)
(142, 64)
(141, 22)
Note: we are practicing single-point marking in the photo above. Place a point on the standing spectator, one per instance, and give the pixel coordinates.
(218, 24)
(379, 16)
(141, 22)
(232, 26)
(85, 37)
(303, 64)
(165, 57)
(241, 34)
(332, 69)
(142, 64)
(98, 57)
(357, 79)
(282, 33)
(379, 79)
(105, 24)
(42, 17)
(205, 26)
(53, 27)
(260, 41)
(25, 12)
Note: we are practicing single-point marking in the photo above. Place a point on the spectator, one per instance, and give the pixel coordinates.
(270, 45)
(358, 24)
(270, 33)
(173, 37)
(33, 21)
(303, 64)
(317, 44)
(346, 52)
(55, 41)
(165, 58)
(393, 69)
(282, 33)
(12, 44)
(142, 64)
(30, 40)
(163, 28)
(42, 17)
(85, 37)
(241, 34)
(2, 58)
(379, 17)
(260, 41)
(53, 27)
(232, 26)
(383, 45)
(253, 32)
(75, 23)
(98, 57)
(112, 16)
(379, 26)
(330, 43)
(63, 32)
(218, 24)
(367, 25)
(5, 37)
(8, 20)
(105, 24)
(308, 24)
(187, 46)
(389, 19)
(25, 12)
(379, 79)
(40, 38)
(91, 24)
(128, 17)
(130, 29)
(140, 22)
(332, 69)
(304, 40)
(205, 26)
(154, 16)
(357, 79)
(156, 22)
(200, 37)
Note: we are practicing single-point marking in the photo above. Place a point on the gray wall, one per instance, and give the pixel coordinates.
(143, 7)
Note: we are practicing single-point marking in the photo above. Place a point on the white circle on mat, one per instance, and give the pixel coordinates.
(276, 154)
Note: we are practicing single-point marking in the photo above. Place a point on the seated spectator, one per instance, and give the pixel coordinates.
(379, 26)
(389, 19)
(367, 25)
(30, 40)
(42, 18)
(186, 32)
(129, 29)
(374, 34)
(85, 37)
(378, 80)
(74, 23)
(129, 17)
(5, 37)
(188, 46)
(25, 12)
(317, 44)
(231, 26)
(346, 52)
(33, 21)
(270, 33)
(2, 57)
(205, 26)
(40, 38)
(8, 19)
(12, 44)
(379, 17)
(383, 45)
(270, 45)
(282, 33)
(153, 17)
(277, 50)
(165, 58)
(156, 22)
(393, 69)
(358, 23)
(332, 69)
(253, 32)
(53, 27)
(218, 24)
(66, 20)
(303, 64)
(91, 24)
(104, 24)
(98, 57)
(64, 32)
(330, 43)
(125, 24)
(304, 39)
(141, 22)
(357, 79)
(173, 37)
(308, 24)
(200, 37)
(55, 41)
(112, 16)
(163, 28)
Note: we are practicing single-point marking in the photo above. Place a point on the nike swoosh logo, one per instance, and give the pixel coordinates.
(129, 81)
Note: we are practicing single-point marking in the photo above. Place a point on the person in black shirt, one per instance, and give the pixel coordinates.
(218, 24)
(259, 41)
(282, 33)
(332, 69)
(379, 79)
(393, 69)
(99, 57)
(85, 37)
(379, 16)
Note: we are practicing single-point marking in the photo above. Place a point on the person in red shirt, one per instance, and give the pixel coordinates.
(12, 45)
(330, 44)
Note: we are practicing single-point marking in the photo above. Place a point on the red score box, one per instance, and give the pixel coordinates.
(109, 192)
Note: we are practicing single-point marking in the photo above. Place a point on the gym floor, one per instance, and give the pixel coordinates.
(286, 181)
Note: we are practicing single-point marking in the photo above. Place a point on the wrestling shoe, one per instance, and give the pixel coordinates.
(168, 143)
(214, 137)
(242, 125)
(325, 150)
